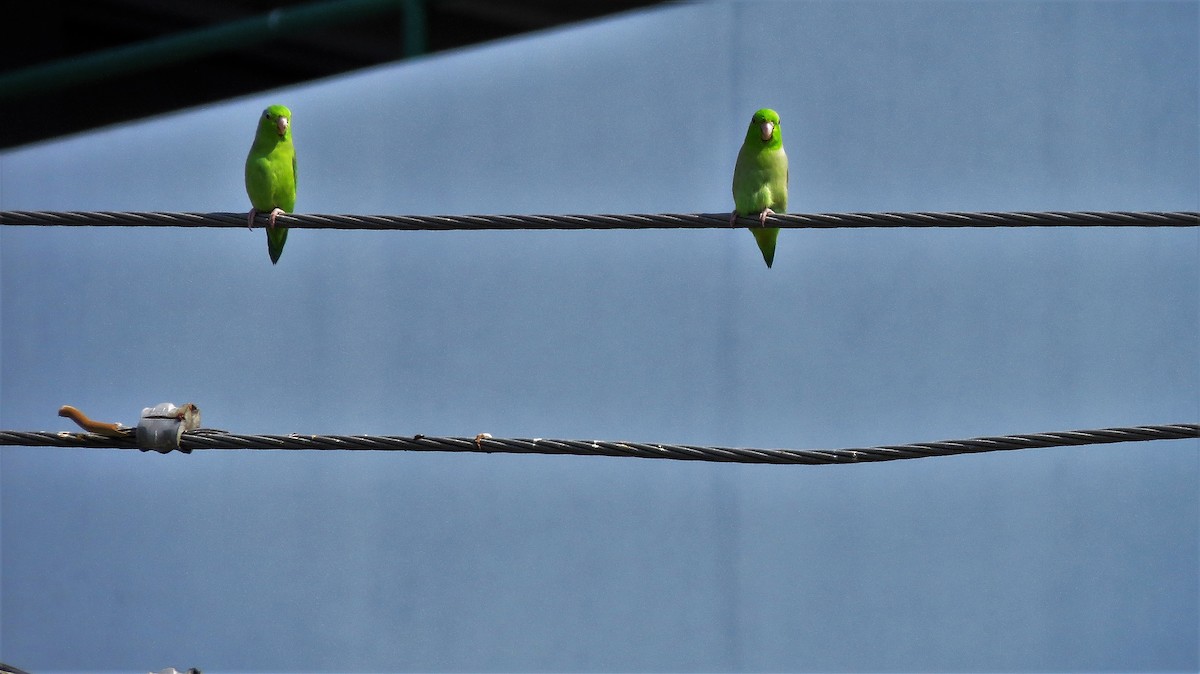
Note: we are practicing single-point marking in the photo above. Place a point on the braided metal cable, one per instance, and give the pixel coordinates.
(214, 439)
(632, 221)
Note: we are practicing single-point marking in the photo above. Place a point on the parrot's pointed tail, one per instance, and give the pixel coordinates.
(766, 238)
(275, 239)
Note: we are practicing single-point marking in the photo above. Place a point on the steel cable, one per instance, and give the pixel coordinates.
(215, 439)
(631, 221)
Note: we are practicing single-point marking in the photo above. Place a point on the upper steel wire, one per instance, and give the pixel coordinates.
(630, 221)
(214, 439)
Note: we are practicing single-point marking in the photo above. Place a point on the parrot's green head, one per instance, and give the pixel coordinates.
(276, 121)
(764, 128)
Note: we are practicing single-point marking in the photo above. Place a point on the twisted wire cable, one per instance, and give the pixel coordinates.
(216, 439)
(631, 221)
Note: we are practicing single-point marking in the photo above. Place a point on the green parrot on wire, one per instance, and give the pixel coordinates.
(760, 179)
(271, 174)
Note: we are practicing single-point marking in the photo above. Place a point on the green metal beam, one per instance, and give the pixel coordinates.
(416, 28)
(192, 45)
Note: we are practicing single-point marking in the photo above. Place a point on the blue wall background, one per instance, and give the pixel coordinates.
(1050, 560)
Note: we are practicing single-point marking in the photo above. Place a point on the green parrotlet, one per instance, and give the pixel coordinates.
(271, 174)
(760, 179)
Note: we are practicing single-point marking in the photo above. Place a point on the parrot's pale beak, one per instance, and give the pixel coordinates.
(281, 123)
(768, 128)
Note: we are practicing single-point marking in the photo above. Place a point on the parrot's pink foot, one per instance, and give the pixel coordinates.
(271, 217)
(762, 217)
(733, 218)
(250, 219)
